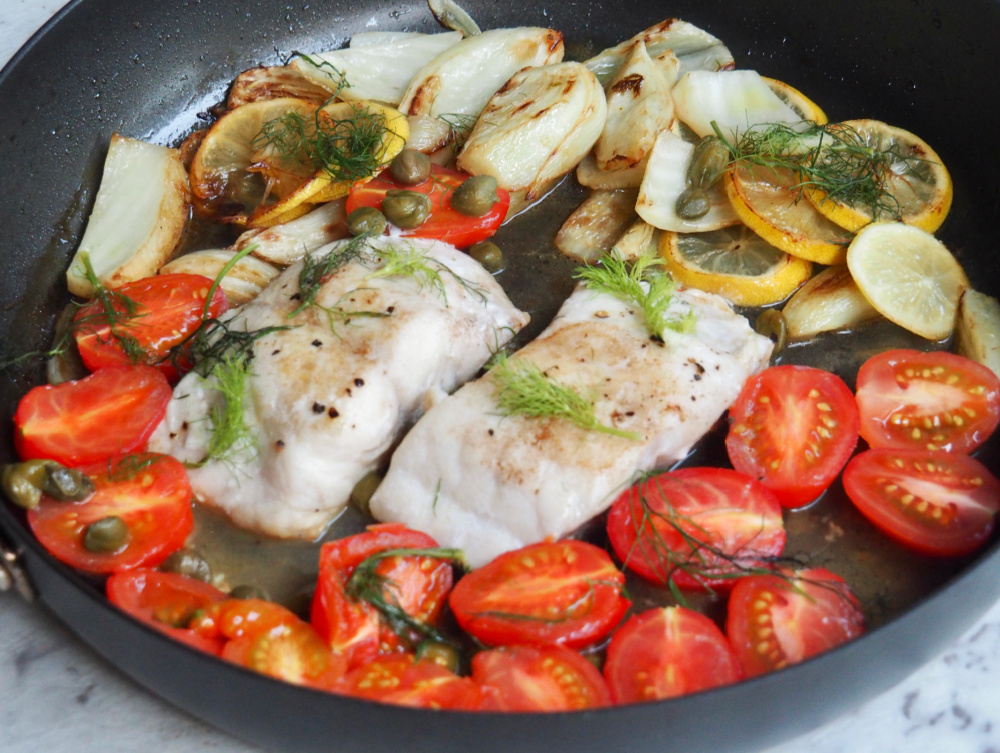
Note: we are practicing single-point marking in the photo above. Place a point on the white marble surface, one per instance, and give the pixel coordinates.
(57, 696)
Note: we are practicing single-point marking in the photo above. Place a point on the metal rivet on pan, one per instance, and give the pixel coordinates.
(12, 575)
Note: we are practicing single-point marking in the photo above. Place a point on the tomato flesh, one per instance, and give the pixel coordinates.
(167, 601)
(150, 493)
(793, 428)
(938, 503)
(168, 308)
(112, 412)
(929, 401)
(665, 653)
(700, 527)
(444, 223)
(404, 680)
(556, 592)
(774, 621)
(418, 585)
(539, 678)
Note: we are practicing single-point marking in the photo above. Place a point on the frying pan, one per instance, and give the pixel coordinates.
(148, 69)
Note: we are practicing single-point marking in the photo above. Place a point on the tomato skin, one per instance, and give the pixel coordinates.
(154, 501)
(668, 652)
(167, 601)
(419, 584)
(565, 593)
(444, 224)
(929, 401)
(539, 678)
(716, 507)
(953, 500)
(775, 621)
(169, 308)
(793, 429)
(404, 680)
(110, 413)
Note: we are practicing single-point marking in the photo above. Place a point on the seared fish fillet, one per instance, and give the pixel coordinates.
(487, 483)
(327, 398)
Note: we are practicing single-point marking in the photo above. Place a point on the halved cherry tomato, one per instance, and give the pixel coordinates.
(554, 592)
(939, 503)
(167, 601)
(418, 585)
(444, 223)
(927, 401)
(669, 652)
(407, 681)
(268, 638)
(793, 428)
(700, 527)
(151, 495)
(168, 308)
(775, 621)
(112, 412)
(539, 678)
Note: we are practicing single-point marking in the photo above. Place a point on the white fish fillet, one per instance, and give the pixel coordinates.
(325, 405)
(487, 484)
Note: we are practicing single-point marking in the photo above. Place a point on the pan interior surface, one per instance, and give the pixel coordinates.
(153, 71)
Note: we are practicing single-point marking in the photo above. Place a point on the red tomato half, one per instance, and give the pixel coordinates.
(669, 652)
(701, 527)
(167, 601)
(404, 680)
(168, 308)
(112, 412)
(776, 621)
(150, 493)
(793, 428)
(418, 585)
(927, 401)
(444, 223)
(938, 503)
(555, 592)
(539, 678)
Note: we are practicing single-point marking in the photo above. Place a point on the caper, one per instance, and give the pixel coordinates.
(366, 221)
(489, 255)
(411, 168)
(476, 196)
(246, 591)
(442, 654)
(406, 209)
(108, 534)
(692, 204)
(22, 485)
(771, 324)
(189, 563)
(362, 492)
(710, 159)
(66, 484)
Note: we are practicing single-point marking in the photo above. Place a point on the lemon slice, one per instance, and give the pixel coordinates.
(803, 106)
(323, 187)
(909, 276)
(734, 262)
(915, 185)
(770, 203)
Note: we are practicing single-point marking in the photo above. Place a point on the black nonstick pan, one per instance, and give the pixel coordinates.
(152, 69)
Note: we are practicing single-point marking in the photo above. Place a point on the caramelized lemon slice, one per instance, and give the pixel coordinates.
(909, 276)
(803, 106)
(915, 185)
(735, 263)
(770, 202)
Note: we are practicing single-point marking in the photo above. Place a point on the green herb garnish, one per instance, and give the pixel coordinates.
(116, 309)
(346, 149)
(368, 585)
(317, 270)
(834, 158)
(409, 262)
(230, 433)
(523, 389)
(642, 284)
